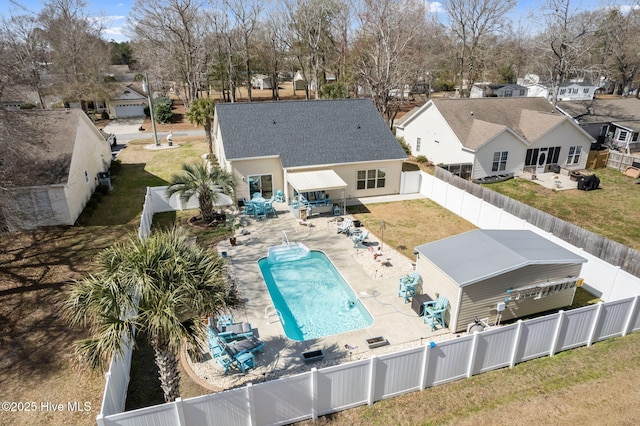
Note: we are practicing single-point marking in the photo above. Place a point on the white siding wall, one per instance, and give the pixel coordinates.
(565, 136)
(91, 154)
(437, 141)
(506, 141)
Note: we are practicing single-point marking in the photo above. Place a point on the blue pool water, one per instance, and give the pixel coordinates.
(312, 297)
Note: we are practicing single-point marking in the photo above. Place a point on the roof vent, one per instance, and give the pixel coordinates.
(274, 121)
(471, 113)
(358, 126)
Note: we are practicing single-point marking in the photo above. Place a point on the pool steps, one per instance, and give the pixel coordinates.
(271, 311)
(287, 253)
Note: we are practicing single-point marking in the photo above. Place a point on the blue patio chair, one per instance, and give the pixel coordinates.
(268, 209)
(249, 209)
(259, 211)
(407, 285)
(235, 331)
(359, 239)
(434, 312)
(279, 196)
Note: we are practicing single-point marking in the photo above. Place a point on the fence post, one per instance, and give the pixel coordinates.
(372, 379)
(632, 312)
(179, 411)
(425, 361)
(250, 405)
(594, 326)
(100, 419)
(556, 334)
(314, 393)
(516, 343)
(472, 353)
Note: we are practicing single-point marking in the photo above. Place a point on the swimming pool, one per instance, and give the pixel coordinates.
(312, 297)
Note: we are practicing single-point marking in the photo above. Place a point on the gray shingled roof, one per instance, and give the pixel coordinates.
(307, 133)
(602, 110)
(488, 253)
(528, 117)
(39, 144)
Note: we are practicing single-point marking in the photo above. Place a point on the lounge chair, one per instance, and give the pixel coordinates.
(434, 312)
(345, 226)
(359, 239)
(236, 331)
(407, 285)
(279, 196)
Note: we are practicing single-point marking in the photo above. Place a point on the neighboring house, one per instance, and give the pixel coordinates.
(476, 138)
(500, 275)
(261, 81)
(60, 161)
(129, 101)
(342, 148)
(614, 122)
(497, 91)
(299, 82)
(576, 91)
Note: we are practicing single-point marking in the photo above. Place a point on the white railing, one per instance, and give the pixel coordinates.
(304, 396)
(324, 391)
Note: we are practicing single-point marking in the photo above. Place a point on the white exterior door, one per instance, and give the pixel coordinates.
(542, 161)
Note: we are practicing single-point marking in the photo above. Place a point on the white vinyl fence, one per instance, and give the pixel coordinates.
(331, 389)
(336, 388)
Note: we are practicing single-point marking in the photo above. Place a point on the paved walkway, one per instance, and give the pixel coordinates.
(374, 283)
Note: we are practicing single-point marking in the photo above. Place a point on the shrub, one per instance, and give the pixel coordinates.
(104, 115)
(421, 159)
(27, 105)
(403, 143)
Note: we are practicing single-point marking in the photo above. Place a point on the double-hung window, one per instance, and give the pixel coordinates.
(499, 161)
(370, 179)
(574, 154)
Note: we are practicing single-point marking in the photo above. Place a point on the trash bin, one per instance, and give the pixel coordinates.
(303, 213)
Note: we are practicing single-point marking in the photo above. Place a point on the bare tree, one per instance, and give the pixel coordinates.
(619, 42)
(383, 49)
(472, 21)
(310, 40)
(565, 39)
(79, 57)
(25, 55)
(173, 35)
(244, 14)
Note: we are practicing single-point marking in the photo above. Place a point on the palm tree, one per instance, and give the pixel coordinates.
(201, 112)
(159, 288)
(205, 181)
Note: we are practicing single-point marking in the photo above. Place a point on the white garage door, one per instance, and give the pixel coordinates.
(129, 111)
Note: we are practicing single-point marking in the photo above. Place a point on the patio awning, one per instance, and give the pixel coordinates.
(315, 181)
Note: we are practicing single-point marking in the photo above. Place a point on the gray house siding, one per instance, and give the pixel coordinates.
(480, 299)
(436, 283)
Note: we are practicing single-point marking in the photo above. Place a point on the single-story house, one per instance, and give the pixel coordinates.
(476, 138)
(577, 91)
(129, 101)
(497, 91)
(615, 122)
(497, 275)
(337, 148)
(55, 160)
(261, 81)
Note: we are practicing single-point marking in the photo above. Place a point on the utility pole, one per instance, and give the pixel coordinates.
(146, 86)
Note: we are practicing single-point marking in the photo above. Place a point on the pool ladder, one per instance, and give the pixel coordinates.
(271, 311)
(285, 240)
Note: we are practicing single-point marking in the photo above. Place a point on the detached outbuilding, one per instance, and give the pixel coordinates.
(498, 274)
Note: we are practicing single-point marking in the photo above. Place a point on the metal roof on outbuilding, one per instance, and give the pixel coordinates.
(307, 133)
(481, 254)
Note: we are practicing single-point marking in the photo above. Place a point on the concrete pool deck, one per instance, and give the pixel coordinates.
(374, 283)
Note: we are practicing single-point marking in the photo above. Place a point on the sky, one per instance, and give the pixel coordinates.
(113, 13)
